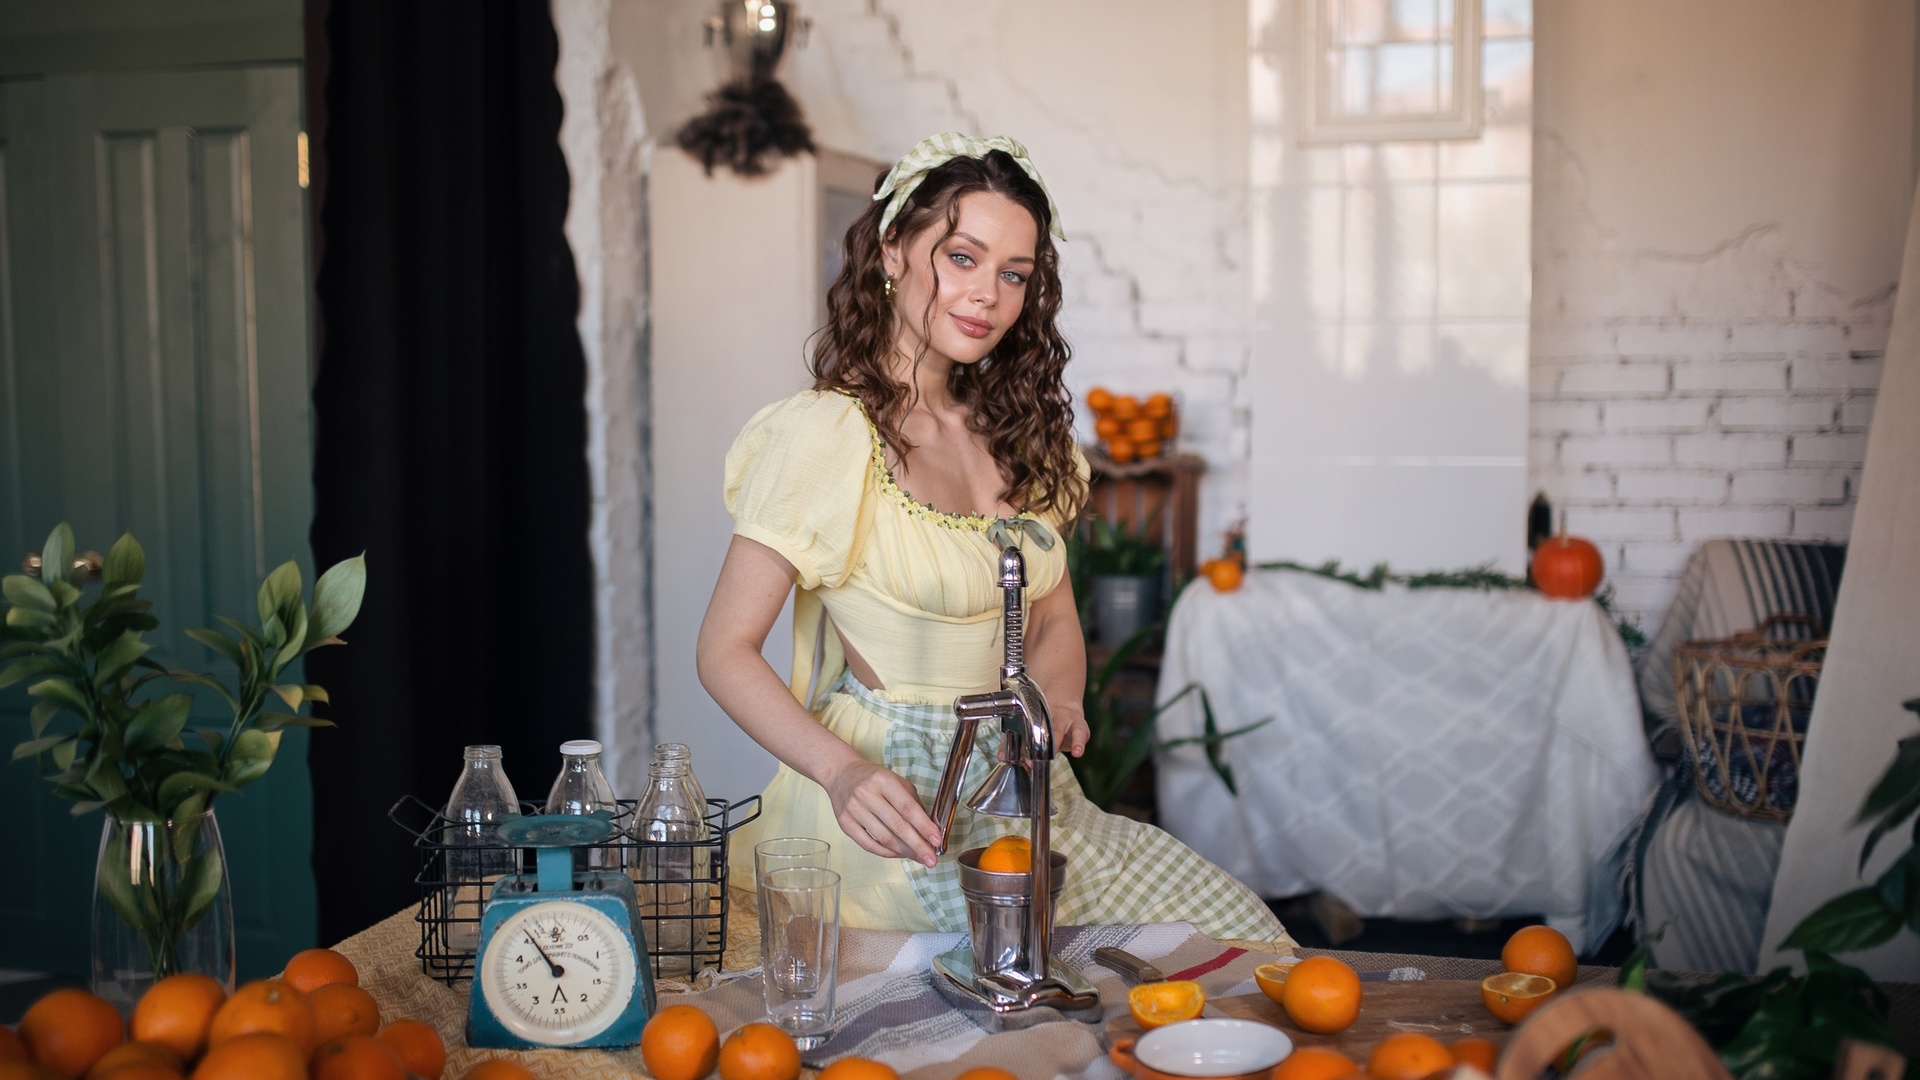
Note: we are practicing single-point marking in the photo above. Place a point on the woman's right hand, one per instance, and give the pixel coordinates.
(880, 811)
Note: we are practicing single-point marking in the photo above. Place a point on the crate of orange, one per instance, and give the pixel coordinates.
(1131, 428)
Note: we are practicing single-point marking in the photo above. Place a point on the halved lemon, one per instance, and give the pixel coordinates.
(1272, 977)
(1156, 1004)
(1511, 995)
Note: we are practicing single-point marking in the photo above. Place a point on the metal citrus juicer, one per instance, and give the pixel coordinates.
(1009, 969)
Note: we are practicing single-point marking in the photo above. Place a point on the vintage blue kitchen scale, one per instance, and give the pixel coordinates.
(559, 963)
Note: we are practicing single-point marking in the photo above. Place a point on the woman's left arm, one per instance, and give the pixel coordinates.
(1057, 660)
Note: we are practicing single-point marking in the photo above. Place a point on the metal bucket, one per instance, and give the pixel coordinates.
(1123, 604)
(997, 911)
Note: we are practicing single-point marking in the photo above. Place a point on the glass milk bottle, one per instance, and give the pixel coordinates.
(671, 825)
(581, 788)
(482, 798)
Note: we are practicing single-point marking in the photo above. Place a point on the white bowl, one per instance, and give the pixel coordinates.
(1213, 1048)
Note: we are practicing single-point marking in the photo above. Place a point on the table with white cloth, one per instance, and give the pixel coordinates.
(1432, 752)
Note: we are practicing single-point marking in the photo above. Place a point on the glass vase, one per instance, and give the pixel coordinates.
(161, 906)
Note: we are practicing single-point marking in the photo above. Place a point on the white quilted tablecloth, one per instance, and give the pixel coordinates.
(1434, 752)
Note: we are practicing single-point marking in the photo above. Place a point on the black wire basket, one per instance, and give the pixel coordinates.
(693, 927)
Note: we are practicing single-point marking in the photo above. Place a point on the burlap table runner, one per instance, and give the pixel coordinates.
(886, 1004)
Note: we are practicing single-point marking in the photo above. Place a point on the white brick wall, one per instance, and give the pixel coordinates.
(1655, 433)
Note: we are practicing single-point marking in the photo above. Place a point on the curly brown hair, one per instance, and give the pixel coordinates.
(1015, 396)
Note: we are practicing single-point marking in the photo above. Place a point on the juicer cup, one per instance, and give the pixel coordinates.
(997, 912)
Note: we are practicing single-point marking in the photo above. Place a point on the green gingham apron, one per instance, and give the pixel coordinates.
(1119, 871)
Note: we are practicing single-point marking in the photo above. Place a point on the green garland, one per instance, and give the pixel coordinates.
(1483, 577)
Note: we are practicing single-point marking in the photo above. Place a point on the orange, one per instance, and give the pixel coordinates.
(339, 1009)
(1125, 407)
(311, 969)
(986, 1072)
(1226, 575)
(680, 1043)
(11, 1048)
(497, 1069)
(1120, 449)
(356, 1057)
(129, 1058)
(858, 1069)
(1156, 1004)
(418, 1047)
(1147, 448)
(1541, 950)
(1099, 400)
(1107, 427)
(1158, 406)
(1169, 427)
(1511, 995)
(139, 1070)
(1141, 429)
(69, 1029)
(261, 1055)
(1479, 1053)
(1407, 1056)
(1272, 978)
(1315, 1063)
(177, 1011)
(26, 1070)
(267, 1005)
(1008, 855)
(759, 1052)
(1322, 995)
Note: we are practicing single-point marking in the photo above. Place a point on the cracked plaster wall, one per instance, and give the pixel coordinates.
(1720, 193)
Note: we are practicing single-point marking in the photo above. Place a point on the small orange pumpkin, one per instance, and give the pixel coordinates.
(1567, 567)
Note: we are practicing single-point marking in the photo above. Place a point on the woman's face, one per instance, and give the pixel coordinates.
(961, 293)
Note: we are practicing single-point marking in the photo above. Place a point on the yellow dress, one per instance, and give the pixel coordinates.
(913, 591)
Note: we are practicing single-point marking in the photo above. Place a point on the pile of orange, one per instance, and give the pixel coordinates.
(312, 1023)
(1130, 428)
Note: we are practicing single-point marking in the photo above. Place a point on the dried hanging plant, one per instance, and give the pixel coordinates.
(748, 121)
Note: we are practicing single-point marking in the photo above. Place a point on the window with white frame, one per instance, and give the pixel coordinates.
(1389, 70)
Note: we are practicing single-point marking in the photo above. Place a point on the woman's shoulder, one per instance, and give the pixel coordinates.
(813, 424)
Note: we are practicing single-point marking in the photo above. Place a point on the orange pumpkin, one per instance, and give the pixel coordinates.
(1567, 567)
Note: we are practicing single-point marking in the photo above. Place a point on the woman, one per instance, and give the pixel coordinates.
(938, 415)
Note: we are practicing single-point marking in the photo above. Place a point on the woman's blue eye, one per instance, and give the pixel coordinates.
(962, 258)
(1015, 277)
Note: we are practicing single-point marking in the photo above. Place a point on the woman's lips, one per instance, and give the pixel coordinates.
(973, 328)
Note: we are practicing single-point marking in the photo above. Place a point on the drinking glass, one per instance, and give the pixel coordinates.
(800, 950)
(786, 851)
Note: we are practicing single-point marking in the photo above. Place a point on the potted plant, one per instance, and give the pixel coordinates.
(109, 731)
(1122, 572)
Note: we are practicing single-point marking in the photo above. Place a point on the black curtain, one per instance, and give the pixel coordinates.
(450, 423)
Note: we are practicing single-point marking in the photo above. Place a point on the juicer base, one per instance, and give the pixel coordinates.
(1000, 1004)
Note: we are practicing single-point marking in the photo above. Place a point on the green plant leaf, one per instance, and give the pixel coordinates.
(281, 587)
(62, 690)
(275, 721)
(115, 882)
(1853, 920)
(126, 562)
(295, 620)
(1894, 797)
(208, 682)
(273, 632)
(28, 593)
(63, 754)
(317, 694)
(118, 658)
(41, 715)
(56, 555)
(245, 632)
(199, 883)
(218, 642)
(336, 598)
(252, 754)
(1900, 887)
(25, 618)
(174, 789)
(105, 779)
(39, 746)
(158, 723)
(31, 667)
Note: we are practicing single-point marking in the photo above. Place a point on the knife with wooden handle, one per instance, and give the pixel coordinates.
(1140, 972)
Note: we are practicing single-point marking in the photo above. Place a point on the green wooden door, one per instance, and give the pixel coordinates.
(154, 378)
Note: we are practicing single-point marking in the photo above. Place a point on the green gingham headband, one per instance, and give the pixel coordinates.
(937, 150)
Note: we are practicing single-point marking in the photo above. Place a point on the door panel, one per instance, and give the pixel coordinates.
(156, 378)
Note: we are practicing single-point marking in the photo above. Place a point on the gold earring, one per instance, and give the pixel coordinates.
(887, 286)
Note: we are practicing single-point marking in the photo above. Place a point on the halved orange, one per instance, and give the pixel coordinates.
(1156, 1004)
(1272, 977)
(1511, 995)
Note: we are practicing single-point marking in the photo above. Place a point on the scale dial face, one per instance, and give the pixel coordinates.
(595, 964)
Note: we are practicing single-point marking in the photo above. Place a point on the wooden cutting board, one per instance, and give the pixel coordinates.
(1446, 1009)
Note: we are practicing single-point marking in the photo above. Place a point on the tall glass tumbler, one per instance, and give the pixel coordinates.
(780, 853)
(800, 951)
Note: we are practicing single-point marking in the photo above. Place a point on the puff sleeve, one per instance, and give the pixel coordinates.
(800, 480)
